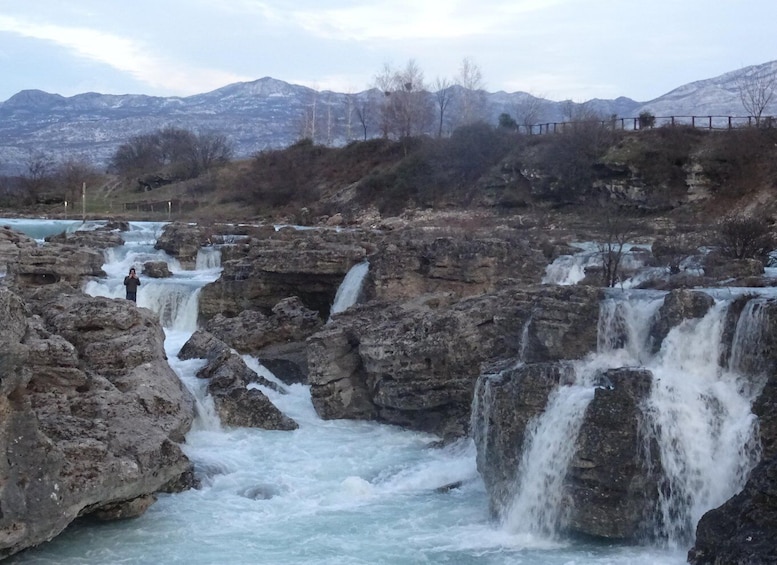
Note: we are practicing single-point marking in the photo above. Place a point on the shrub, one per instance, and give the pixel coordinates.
(646, 120)
(745, 238)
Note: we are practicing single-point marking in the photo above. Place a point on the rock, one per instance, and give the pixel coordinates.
(278, 338)
(183, 241)
(100, 238)
(251, 331)
(336, 220)
(410, 263)
(415, 365)
(741, 531)
(508, 397)
(291, 263)
(720, 267)
(90, 412)
(678, 305)
(156, 269)
(203, 345)
(250, 408)
(238, 405)
(52, 263)
(228, 369)
(123, 510)
(12, 243)
(611, 486)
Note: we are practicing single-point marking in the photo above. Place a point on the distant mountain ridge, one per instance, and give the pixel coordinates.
(269, 113)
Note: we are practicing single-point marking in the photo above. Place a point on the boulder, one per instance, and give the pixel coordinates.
(183, 241)
(678, 305)
(741, 531)
(90, 412)
(299, 264)
(52, 263)
(156, 269)
(203, 345)
(415, 364)
(236, 404)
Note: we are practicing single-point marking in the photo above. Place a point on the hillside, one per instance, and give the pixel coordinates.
(270, 114)
(661, 179)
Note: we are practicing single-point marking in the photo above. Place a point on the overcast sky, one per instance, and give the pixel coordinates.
(558, 49)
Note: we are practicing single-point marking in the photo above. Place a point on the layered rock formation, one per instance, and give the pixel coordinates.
(415, 364)
(92, 413)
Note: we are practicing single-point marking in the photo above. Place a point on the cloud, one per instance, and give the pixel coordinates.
(124, 54)
(402, 20)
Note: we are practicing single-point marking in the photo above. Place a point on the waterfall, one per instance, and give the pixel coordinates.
(174, 299)
(748, 339)
(570, 269)
(701, 418)
(351, 287)
(698, 413)
(537, 505)
(208, 258)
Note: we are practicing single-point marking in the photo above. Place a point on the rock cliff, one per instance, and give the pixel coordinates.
(91, 414)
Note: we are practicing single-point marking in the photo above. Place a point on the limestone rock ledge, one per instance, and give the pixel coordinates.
(90, 412)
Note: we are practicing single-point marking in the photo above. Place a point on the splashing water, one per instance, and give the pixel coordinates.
(351, 287)
(328, 493)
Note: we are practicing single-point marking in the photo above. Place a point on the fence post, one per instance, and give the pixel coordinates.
(729, 122)
(710, 121)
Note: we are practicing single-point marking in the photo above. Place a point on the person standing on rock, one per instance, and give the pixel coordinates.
(132, 282)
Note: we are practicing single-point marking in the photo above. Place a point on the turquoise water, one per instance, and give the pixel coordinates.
(328, 493)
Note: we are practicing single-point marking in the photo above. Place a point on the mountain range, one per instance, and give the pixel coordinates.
(268, 113)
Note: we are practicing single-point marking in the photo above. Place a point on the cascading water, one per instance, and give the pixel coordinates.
(702, 420)
(332, 492)
(698, 412)
(351, 287)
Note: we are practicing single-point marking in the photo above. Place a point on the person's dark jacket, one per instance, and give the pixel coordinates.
(131, 283)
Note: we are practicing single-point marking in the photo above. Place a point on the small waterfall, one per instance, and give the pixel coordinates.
(698, 413)
(703, 425)
(748, 340)
(208, 258)
(537, 506)
(351, 287)
(570, 269)
(174, 299)
(624, 327)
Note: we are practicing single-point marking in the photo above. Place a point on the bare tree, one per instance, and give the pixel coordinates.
(617, 230)
(349, 108)
(756, 91)
(310, 118)
(407, 107)
(472, 99)
(210, 150)
(72, 173)
(39, 173)
(443, 94)
(529, 111)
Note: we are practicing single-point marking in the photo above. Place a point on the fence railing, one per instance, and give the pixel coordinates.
(633, 124)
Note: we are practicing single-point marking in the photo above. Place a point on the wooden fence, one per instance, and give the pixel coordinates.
(633, 124)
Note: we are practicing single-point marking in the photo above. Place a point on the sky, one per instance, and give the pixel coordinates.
(556, 49)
